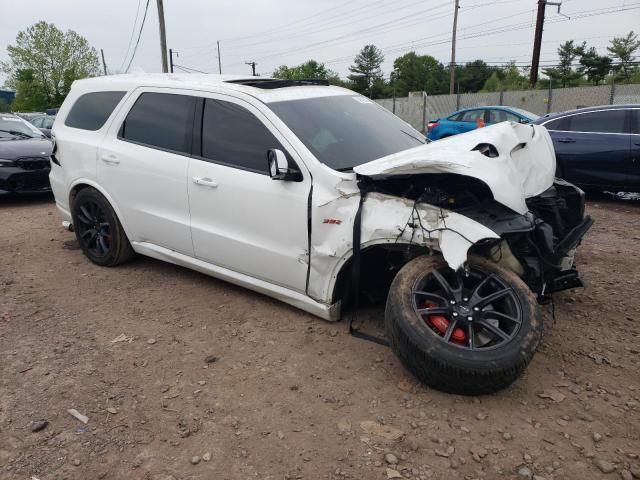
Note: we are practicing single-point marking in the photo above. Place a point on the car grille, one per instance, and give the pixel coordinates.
(33, 163)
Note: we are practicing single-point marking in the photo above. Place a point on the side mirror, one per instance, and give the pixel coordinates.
(525, 121)
(280, 168)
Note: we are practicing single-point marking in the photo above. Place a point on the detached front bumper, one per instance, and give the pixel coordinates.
(19, 180)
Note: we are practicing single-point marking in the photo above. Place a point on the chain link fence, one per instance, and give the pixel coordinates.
(418, 108)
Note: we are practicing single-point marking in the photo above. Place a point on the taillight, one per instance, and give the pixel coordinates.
(432, 125)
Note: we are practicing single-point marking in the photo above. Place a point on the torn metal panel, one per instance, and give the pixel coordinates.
(385, 219)
(525, 165)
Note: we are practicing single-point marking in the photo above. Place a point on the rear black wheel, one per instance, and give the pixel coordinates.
(471, 332)
(98, 229)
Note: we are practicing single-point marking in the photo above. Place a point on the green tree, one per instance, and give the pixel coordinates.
(55, 59)
(595, 67)
(30, 95)
(366, 71)
(623, 49)
(413, 73)
(564, 73)
(307, 70)
(472, 76)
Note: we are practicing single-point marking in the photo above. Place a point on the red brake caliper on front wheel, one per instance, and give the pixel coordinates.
(440, 324)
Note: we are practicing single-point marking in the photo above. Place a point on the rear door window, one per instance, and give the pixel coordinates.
(471, 116)
(234, 136)
(91, 110)
(161, 120)
(497, 116)
(606, 121)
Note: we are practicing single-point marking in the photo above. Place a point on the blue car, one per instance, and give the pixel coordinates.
(597, 148)
(465, 120)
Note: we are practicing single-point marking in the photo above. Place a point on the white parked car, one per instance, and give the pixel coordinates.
(270, 184)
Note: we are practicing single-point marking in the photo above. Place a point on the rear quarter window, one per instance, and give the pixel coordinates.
(91, 110)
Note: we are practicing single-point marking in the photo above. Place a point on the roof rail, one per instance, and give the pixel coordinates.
(269, 83)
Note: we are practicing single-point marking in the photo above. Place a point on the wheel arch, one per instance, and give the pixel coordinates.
(371, 252)
(82, 183)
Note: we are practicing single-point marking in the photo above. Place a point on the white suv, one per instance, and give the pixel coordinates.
(270, 184)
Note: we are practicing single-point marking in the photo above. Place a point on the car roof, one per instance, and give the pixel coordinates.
(208, 83)
(551, 116)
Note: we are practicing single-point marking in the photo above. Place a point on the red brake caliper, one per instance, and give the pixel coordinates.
(440, 324)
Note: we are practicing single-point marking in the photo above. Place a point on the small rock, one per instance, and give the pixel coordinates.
(527, 458)
(391, 473)
(538, 477)
(112, 410)
(333, 332)
(195, 460)
(210, 359)
(412, 442)
(76, 462)
(596, 437)
(634, 468)
(39, 425)
(151, 341)
(344, 425)
(507, 436)
(202, 382)
(280, 435)
(525, 472)
(481, 415)
(391, 459)
(206, 457)
(604, 466)
(554, 395)
(244, 453)
(584, 417)
(626, 475)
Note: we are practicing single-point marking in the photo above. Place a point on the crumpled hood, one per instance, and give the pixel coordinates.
(525, 165)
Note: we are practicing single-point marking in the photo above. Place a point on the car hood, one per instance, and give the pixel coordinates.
(33, 147)
(525, 165)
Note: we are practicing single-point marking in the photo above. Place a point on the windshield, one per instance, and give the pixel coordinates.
(346, 131)
(14, 127)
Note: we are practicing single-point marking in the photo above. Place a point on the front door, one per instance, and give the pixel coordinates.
(241, 219)
(143, 164)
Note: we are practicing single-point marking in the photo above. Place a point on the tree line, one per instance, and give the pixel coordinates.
(578, 64)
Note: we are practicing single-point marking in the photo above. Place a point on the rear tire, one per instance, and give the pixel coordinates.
(456, 365)
(98, 230)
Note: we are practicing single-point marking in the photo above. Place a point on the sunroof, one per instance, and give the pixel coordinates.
(268, 83)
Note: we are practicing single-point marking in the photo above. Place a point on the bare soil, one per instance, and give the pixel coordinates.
(285, 395)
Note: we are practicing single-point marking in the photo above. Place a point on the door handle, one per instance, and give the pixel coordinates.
(566, 140)
(205, 182)
(110, 159)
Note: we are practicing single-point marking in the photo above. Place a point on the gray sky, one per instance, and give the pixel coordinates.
(276, 32)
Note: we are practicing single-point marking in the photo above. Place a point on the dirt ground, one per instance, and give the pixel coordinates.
(211, 381)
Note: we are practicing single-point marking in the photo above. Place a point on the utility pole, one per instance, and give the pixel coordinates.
(452, 65)
(537, 40)
(219, 60)
(171, 52)
(163, 36)
(253, 67)
(104, 65)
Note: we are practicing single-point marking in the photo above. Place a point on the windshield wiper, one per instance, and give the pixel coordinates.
(16, 132)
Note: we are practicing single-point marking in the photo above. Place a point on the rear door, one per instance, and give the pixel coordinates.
(593, 148)
(241, 219)
(143, 165)
(467, 121)
(634, 175)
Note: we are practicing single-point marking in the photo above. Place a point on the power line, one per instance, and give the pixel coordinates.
(135, 49)
(133, 31)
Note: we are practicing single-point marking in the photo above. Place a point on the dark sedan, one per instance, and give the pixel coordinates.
(598, 147)
(24, 157)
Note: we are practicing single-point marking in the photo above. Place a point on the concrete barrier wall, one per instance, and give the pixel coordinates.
(414, 109)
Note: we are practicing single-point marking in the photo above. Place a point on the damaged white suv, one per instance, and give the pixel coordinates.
(270, 184)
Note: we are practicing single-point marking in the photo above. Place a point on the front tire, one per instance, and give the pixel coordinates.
(98, 230)
(469, 334)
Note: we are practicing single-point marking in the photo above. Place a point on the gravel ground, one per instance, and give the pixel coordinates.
(183, 376)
